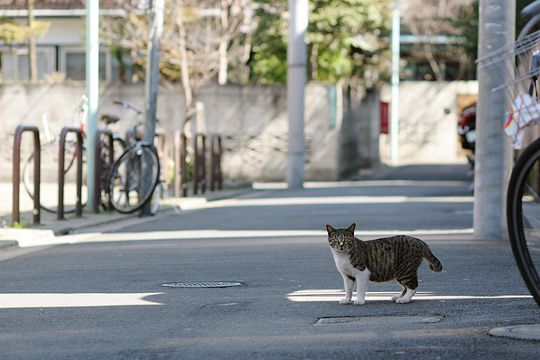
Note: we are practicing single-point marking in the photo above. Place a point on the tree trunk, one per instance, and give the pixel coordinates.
(32, 63)
(184, 70)
(223, 43)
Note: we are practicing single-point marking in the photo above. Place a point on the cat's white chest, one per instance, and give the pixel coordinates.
(343, 263)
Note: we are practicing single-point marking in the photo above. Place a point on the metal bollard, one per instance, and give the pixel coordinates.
(180, 153)
(99, 164)
(202, 167)
(195, 164)
(61, 173)
(183, 166)
(219, 173)
(199, 163)
(214, 161)
(16, 179)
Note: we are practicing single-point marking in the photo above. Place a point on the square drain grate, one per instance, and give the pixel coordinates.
(378, 320)
(202, 284)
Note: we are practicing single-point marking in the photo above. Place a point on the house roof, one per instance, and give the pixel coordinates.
(57, 8)
(54, 4)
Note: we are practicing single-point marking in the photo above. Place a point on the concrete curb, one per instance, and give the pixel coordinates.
(5, 244)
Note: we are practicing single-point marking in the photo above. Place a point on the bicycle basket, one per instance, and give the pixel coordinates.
(517, 66)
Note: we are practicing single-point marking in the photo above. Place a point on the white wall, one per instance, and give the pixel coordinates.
(64, 31)
(428, 118)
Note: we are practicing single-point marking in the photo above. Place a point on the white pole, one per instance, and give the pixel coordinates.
(152, 82)
(92, 89)
(152, 69)
(296, 80)
(394, 106)
(493, 159)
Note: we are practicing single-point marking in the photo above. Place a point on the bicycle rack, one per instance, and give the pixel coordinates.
(180, 164)
(215, 163)
(16, 180)
(199, 163)
(98, 164)
(61, 174)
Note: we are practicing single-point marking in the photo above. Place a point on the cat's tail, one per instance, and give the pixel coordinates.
(434, 263)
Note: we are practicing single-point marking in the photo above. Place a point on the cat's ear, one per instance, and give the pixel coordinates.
(351, 228)
(330, 229)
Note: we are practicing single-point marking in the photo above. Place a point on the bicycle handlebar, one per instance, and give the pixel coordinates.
(127, 105)
(530, 10)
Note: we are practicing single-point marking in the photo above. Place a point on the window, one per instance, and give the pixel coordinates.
(73, 64)
(15, 63)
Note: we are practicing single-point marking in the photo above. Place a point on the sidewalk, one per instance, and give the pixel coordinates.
(50, 228)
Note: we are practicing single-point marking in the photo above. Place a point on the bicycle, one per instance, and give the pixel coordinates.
(520, 62)
(50, 146)
(135, 175)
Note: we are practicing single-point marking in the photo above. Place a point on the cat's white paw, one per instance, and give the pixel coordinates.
(402, 300)
(345, 301)
(359, 302)
(395, 297)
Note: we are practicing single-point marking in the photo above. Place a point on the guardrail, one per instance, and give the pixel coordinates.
(16, 180)
(61, 170)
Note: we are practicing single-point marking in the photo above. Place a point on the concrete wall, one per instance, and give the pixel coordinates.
(252, 119)
(428, 114)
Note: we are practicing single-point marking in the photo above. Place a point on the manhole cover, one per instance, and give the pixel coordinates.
(202, 284)
(377, 320)
(520, 332)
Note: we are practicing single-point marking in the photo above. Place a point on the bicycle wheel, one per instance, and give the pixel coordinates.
(133, 178)
(523, 216)
(50, 205)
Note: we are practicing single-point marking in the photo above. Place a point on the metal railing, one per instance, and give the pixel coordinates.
(61, 171)
(16, 180)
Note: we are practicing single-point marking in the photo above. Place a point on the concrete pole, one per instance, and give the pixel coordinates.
(394, 104)
(493, 159)
(296, 80)
(92, 89)
(152, 80)
(152, 70)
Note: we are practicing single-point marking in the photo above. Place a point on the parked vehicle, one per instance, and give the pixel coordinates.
(467, 131)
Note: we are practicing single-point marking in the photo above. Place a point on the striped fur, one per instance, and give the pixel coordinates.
(386, 259)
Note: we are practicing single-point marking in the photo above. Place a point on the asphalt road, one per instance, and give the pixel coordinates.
(103, 298)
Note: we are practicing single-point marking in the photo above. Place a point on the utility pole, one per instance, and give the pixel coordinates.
(32, 44)
(394, 103)
(92, 89)
(152, 80)
(223, 43)
(296, 80)
(493, 159)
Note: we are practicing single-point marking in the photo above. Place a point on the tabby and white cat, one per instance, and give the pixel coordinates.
(380, 260)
